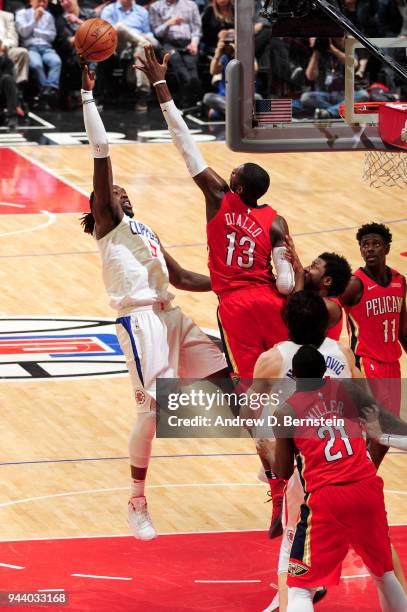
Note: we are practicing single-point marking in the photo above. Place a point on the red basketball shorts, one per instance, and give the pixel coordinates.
(334, 518)
(251, 322)
(384, 381)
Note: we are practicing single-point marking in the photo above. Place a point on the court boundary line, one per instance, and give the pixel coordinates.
(52, 173)
(167, 533)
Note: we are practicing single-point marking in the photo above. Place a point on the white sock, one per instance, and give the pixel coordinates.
(137, 487)
(140, 443)
(300, 600)
(391, 595)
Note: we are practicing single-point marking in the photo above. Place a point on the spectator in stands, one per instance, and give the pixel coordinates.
(362, 13)
(9, 42)
(392, 18)
(36, 27)
(8, 89)
(132, 25)
(218, 22)
(392, 22)
(216, 102)
(325, 71)
(177, 25)
(66, 25)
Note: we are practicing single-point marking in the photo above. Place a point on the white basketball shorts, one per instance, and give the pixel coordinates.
(164, 344)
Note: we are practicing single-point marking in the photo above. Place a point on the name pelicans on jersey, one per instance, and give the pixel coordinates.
(239, 244)
(374, 321)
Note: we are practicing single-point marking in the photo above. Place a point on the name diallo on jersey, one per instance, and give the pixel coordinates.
(244, 222)
(383, 305)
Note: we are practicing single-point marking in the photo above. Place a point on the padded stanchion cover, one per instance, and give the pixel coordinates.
(392, 122)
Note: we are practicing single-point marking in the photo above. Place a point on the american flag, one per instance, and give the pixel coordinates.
(274, 110)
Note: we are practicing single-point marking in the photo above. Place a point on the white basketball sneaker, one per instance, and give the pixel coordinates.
(139, 519)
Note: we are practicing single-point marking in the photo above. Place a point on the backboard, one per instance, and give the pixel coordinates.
(305, 131)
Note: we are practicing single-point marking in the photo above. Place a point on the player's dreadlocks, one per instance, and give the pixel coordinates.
(88, 220)
(374, 228)
(338, 268)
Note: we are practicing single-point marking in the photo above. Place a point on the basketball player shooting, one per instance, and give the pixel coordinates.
(157, 339)
(243, 237)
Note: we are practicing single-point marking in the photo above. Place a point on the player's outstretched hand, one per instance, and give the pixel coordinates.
(88, 78)
(150, 66)
(370, 421)
(292, 255)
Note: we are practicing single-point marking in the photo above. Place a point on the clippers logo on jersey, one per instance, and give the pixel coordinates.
(297, 569)
(44, 348)
(142, 230)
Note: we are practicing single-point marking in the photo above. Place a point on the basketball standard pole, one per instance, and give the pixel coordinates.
(336, 16)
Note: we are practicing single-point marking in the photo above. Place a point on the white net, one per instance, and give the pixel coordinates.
(385, 169)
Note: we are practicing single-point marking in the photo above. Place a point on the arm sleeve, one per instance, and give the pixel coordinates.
(394, 441)
(285, 279)
(182, 139)
(95, 129)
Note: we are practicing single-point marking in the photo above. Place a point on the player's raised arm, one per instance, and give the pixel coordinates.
(106, 210)
(210, 183)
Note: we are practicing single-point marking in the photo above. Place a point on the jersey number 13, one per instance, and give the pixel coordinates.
(245, 260)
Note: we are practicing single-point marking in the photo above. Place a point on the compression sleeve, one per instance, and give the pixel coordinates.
(182, 138)
(285, 280)
(399, 442)
(95, 129)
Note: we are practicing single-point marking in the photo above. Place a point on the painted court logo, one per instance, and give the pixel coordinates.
(44, 348)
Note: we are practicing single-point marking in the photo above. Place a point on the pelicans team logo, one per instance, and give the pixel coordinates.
(44, 348)
(297, 569)
(49, 348)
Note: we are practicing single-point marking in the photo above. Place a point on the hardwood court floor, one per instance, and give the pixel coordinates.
(63, 443)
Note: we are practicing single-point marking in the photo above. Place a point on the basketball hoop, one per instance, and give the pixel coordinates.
(385, 169)
(389, 168)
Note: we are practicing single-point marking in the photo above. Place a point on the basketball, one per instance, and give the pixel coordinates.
(95, 40)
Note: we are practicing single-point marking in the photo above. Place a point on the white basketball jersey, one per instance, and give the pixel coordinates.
(336, 363)
(133, 266)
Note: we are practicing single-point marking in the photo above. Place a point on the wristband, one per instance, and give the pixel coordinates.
(162, 81)
(87, 96)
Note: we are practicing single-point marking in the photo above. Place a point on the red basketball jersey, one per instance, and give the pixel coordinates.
(329, 454)
(335, 332)
(374, 322)
(239, 245)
